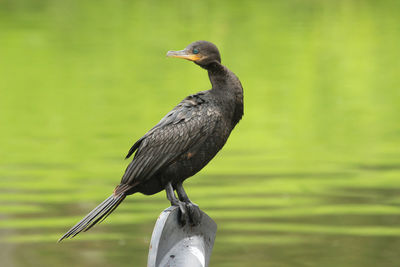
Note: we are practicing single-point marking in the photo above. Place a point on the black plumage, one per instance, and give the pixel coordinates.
(182, 143)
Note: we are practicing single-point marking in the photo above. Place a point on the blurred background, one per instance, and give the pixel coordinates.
(309, 177)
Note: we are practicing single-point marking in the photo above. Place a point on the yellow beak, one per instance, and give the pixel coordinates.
(183, 54)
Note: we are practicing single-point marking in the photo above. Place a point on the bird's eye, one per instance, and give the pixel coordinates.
(195, 51)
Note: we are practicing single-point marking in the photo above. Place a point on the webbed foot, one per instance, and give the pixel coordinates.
(194, 213)
(183, 216)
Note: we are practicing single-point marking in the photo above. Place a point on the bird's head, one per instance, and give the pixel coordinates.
(200, 52)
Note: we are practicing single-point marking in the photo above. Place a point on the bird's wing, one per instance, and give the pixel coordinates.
(188, 124)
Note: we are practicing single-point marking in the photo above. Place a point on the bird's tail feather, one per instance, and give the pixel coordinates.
(97, 215)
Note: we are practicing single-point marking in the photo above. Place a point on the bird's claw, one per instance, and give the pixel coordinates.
(188, 213)
(194, 213)
(183, 215)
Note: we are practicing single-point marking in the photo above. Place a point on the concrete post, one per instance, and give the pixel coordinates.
(175, 246)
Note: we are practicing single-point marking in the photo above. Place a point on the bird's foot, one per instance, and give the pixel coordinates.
(188, 213)
(194, 213)
(183, 214)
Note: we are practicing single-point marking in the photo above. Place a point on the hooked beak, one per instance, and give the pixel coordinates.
(183, 54)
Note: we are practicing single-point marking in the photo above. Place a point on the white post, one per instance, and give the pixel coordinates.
(175, 246)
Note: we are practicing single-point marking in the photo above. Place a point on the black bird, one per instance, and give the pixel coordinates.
(182, 143)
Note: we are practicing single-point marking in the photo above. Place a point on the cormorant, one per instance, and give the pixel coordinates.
(182, 143)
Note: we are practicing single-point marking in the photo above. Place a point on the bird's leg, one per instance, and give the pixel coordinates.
(181, 193)
(192, 209)
(175, 202)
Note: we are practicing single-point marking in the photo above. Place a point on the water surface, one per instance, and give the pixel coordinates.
(310, 177)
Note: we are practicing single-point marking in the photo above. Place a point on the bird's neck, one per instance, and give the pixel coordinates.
(226, 84)
(219, 75)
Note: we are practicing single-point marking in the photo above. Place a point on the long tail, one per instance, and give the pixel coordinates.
(96, 216)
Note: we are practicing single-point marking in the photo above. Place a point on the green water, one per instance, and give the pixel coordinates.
(310, 177)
